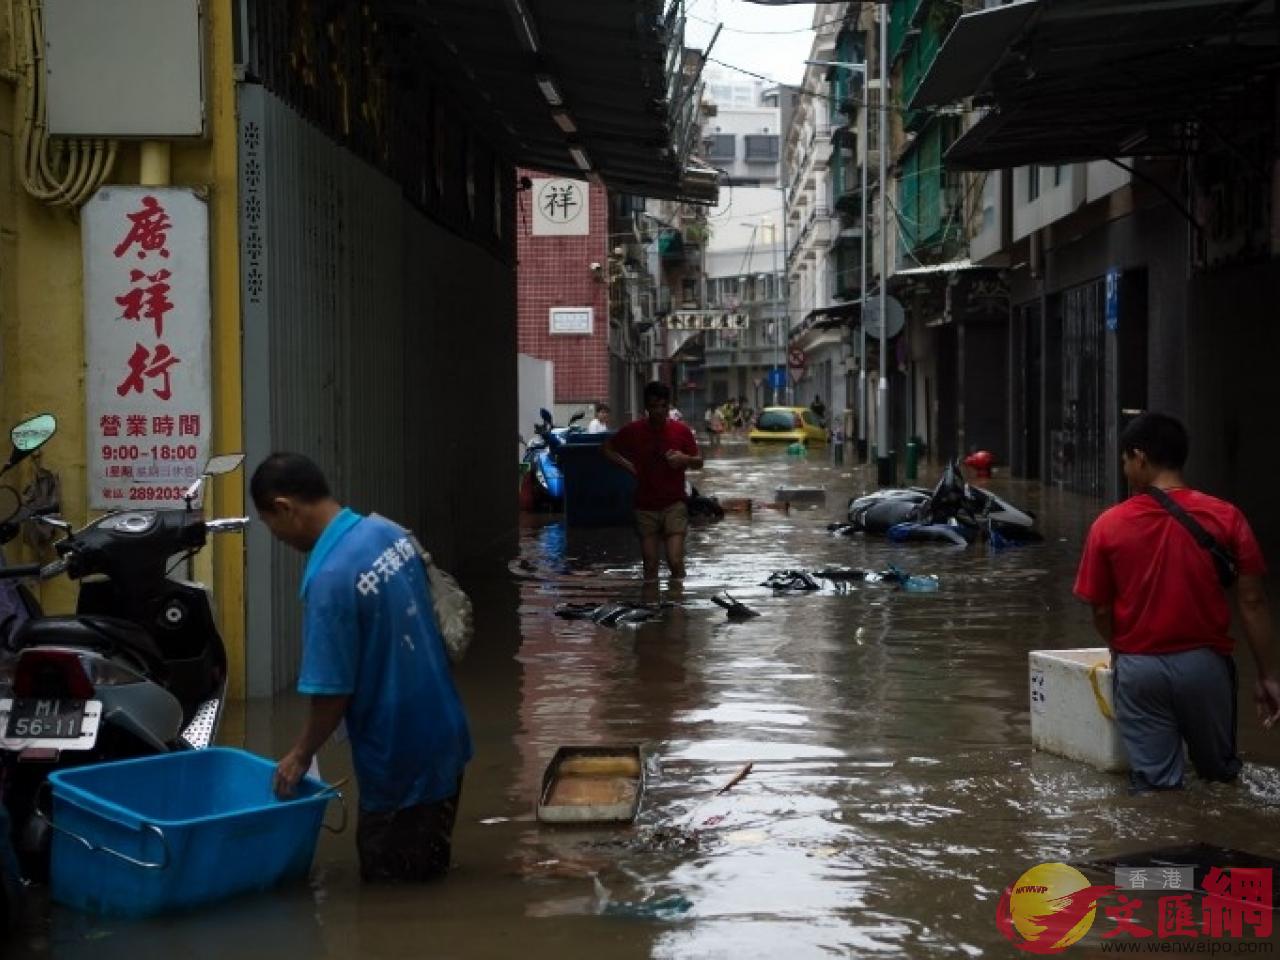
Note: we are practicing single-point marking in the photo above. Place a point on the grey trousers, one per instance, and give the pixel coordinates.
(1162, 700)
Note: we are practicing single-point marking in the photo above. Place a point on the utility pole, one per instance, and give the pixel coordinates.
(884, 463)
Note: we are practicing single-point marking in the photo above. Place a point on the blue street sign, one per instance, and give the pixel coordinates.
(777, 378)
(1113, 300)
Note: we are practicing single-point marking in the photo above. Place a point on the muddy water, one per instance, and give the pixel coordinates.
(893, 793)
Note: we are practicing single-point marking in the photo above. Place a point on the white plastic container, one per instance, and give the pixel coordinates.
(1071, 707)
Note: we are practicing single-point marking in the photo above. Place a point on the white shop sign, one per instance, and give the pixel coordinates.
(578, 320)
(561, 208)
(147, 332)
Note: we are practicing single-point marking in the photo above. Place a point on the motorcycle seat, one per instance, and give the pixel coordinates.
(105, 635)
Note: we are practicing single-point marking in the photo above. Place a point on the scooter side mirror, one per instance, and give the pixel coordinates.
(225, 463)
(216, 466)
(546, 416)
(29, 436)
(576, 417)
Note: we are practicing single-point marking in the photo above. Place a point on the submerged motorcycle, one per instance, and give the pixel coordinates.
(139, 669)
(953, 511)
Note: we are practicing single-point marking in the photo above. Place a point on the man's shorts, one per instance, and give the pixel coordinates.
(672, 521)
(409, 845)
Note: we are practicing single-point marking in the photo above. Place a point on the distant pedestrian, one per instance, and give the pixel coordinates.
(600, 422)
(819, 408)
(715, 425)
(1157, 570)
(658, 450)
(372, 655)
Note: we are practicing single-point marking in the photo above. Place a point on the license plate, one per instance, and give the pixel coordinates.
(46, 719)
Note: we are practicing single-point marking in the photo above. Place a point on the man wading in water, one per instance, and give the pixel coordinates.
(658, 450)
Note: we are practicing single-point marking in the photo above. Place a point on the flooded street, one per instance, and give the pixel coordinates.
(894, 792)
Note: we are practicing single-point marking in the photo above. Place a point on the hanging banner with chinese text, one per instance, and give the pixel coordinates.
(147, 317)
(561, 208)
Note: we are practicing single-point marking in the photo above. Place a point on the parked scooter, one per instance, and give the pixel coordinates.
(544, 477)
(139, 669)
(953, 511)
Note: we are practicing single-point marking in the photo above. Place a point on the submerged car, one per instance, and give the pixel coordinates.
(787, 425)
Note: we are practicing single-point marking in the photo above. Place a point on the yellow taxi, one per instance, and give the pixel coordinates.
(787, 425)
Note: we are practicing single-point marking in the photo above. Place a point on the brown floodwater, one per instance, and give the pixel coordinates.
(893, 793)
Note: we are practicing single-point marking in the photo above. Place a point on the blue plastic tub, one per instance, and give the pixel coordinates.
(171, 832)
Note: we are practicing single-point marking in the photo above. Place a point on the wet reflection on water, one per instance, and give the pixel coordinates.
(893, 792)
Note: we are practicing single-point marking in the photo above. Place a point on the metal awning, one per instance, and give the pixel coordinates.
(1071, 80)
(576, 87)
(822, 318)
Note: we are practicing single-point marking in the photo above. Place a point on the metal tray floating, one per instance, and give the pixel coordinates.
(592, 785)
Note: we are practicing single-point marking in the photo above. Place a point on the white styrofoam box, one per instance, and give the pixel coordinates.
(1065, 716)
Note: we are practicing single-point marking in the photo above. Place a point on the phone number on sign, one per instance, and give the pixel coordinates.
(127, 451)
(156, 493)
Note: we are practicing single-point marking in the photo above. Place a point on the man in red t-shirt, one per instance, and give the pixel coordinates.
(658, 450)
(1159, 604)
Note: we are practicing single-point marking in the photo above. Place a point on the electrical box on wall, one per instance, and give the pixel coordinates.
(124, 68)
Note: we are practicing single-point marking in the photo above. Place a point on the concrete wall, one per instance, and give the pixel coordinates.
(535, 389)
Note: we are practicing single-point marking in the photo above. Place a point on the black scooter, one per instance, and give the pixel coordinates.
(139, 669)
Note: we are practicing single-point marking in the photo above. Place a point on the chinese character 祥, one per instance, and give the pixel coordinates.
(1175, 918)
(1123, 916)
(162, 426)
(405, 548)
(110, 424)
(1236, 898)
(145, 364)
(151, 302)
(149, 230)
(189, 425)
(558, 202)
(135, 425)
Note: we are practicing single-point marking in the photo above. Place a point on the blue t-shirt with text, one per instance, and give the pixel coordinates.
(370, 632)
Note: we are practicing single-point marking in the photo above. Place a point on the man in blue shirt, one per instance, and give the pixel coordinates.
(372, 654)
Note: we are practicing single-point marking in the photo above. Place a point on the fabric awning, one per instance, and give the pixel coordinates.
(1073, 80)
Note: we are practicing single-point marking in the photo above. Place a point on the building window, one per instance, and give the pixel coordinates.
(720, 146)
(761, 147)
(1033, 183)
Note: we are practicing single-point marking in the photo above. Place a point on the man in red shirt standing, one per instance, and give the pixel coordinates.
(1159, 603)
(658, 450)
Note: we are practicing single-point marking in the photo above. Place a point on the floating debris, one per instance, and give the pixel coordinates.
(616, 614)
(735, 609)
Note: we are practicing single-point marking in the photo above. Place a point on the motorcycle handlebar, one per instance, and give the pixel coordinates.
(227, 525)
(21, 571)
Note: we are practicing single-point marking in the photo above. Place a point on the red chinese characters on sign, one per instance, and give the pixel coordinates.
(148, 365)
(150, 302)
(147, 298)
(149, 231)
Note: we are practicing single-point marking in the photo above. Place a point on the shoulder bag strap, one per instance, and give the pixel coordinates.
(1222, 557)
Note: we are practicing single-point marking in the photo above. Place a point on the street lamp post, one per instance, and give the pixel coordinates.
(864, 127)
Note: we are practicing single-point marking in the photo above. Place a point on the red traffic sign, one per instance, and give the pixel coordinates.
(797, 360)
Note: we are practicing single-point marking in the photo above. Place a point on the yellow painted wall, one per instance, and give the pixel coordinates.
(42, 318)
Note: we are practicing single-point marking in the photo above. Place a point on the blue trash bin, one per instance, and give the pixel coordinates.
(597, 492)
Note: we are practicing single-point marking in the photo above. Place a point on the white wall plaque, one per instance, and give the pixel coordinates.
(579, 320)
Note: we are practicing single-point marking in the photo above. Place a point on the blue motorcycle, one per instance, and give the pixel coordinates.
(543, 476)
